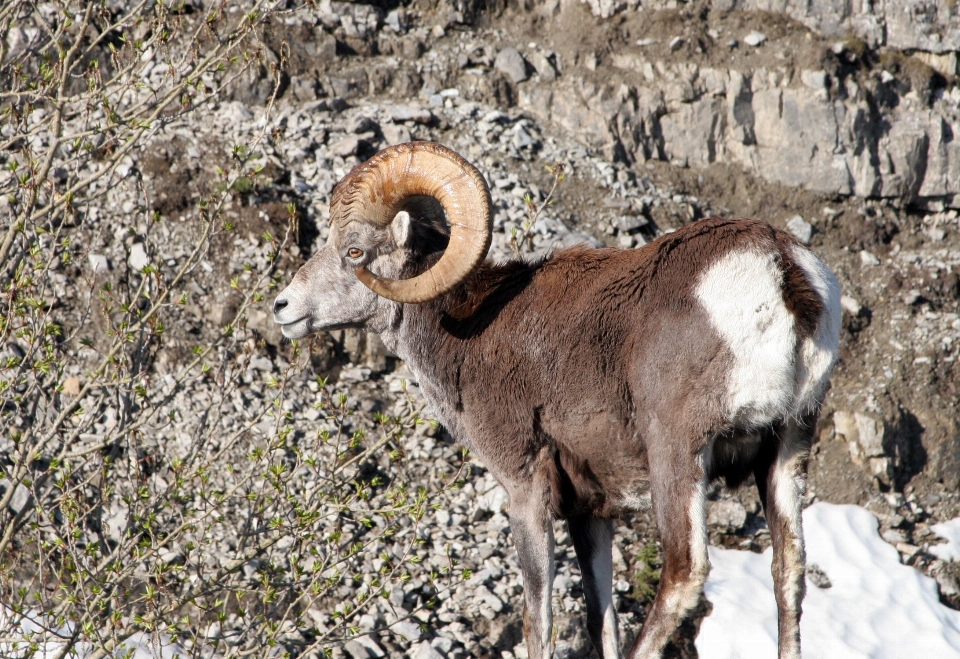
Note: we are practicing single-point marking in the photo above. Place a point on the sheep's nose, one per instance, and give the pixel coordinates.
(279, 305)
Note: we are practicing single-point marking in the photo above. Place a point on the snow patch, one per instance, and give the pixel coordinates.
(949, 531)
(877, 608)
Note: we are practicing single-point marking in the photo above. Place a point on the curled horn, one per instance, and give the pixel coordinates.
(375, 191)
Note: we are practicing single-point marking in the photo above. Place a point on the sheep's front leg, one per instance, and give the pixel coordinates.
(531, 526)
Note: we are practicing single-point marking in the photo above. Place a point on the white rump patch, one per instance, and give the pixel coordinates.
(819, 352)
(742, 294)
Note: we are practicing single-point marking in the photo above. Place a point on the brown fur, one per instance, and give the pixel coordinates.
(509, 340)
(591, 379)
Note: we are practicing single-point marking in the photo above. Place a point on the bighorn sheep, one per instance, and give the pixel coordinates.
(589, 379)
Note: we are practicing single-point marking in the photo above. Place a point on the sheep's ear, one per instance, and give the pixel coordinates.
(400, 229)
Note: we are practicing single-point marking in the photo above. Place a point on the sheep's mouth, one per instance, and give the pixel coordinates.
(305, 325)
(296, 329)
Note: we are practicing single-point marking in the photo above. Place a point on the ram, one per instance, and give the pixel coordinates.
(594, 382)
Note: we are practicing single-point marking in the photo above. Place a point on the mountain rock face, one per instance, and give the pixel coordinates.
(866, 119)
(928, 25)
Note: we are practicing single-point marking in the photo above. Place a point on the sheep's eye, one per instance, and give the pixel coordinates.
(354, 253)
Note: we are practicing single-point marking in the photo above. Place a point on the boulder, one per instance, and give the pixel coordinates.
(510, 62)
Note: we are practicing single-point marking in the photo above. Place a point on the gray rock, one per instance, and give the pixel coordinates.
(347, 146)
(494, 500)
(562, 584)
(796, 134)
(138, 258)
(356, 651)
(21, 495)
(396, 21)
(912, 297)
(870, 434)
(630, 223)
(867, 259)
(728, 513)
(236, 112)
(362, 124)
(115, 522)
(259, 363)
(171, 557)
(255, 85)
(349, 83)
(511, 63)
(817, 576)
(851, 305)
(442, 644)
(496, 116)
(911, 25)
(395, 134)
(262, 321)
(376, 353)
(800, 228)
(523, 140)
(543, 66)
(607, 8)
(908, 550)
(17, 42)
(754, 38)
(691, 133)
(905, 151)
(894, 536)
(407, 630)
(814, 79)
(98, 263)
(844, 424)
(371, 645)
(898, 24)
(412, 113)
(426, 651)
(484, 595)
(222, 312)
(948, 583)
(126, 164)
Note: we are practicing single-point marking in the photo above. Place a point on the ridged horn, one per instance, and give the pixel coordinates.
(375, 191)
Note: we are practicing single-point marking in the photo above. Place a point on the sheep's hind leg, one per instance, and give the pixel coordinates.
(531, 525)
(593, 540)
(781, 477)
(679, 497)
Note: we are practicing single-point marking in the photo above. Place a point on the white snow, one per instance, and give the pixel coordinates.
(949, 531)
(877, 608)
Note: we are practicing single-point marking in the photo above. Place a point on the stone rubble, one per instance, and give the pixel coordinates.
(791, 130)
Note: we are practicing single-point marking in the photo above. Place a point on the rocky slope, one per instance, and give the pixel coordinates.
(668, 113)
(835, 122)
